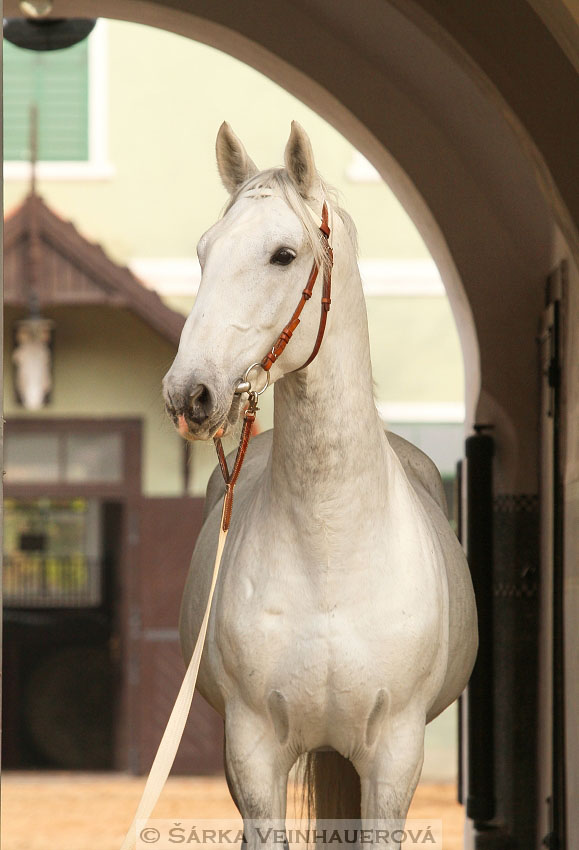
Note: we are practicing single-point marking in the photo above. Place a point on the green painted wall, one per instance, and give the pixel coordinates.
(166, 99)
(415, 356)
(109, 363)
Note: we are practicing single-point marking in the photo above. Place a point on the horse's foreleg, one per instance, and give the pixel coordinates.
(389, 775)
(257, 769)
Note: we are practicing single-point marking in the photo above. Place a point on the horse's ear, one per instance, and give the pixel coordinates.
(299, 162)
(235, 167)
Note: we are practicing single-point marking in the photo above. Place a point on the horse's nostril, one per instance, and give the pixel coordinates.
(199, 391)
(200, 403)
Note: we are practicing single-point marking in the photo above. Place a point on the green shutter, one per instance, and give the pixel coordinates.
(57, 81)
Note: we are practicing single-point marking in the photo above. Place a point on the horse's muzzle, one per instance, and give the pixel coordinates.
(192, 408)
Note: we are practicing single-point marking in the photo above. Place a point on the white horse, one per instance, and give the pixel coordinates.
(344, 618)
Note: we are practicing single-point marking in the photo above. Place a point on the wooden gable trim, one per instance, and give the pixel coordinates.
(112, 284)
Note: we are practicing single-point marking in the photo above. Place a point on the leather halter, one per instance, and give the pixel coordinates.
(278, 347)
(289, 329)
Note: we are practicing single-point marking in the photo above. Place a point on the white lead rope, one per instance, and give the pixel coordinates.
(174, 732)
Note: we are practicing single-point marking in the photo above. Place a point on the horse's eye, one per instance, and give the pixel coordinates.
(283, 257)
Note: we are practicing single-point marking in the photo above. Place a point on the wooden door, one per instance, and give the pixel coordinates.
(168, 531)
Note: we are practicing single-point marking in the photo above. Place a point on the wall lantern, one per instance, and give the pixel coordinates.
(37, 32)
(36, 8)
(32, 361)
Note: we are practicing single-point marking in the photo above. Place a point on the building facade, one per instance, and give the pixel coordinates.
(97, 482)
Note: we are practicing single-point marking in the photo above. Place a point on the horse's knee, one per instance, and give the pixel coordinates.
(256, 766)
(390, 770)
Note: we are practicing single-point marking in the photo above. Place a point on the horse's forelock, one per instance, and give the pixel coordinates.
(277, 180)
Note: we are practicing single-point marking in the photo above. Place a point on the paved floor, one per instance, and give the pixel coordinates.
(67, 811)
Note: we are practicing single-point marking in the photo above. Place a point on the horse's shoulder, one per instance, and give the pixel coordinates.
(419, 468)
(253, 465)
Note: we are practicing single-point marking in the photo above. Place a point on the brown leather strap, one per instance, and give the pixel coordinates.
(287, 333)
(221, 458)
(326, 302)
(230, 478)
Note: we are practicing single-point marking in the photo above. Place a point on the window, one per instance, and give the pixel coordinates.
(56, 81)
(52, 553)
(31, 457)
(68, 87)
(66, 457)
(93, 458)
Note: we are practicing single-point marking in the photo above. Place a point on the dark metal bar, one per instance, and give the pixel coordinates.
(480, 803)
(458, 517)
(559, 790)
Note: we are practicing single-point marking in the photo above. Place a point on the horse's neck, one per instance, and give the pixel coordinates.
(328, 445)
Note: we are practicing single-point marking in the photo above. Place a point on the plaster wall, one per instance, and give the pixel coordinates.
(163, 191)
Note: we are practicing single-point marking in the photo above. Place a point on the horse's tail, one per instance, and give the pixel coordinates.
(331, 787)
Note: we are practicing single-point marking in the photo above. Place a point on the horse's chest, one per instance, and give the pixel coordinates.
(286, 641)
(319, 629)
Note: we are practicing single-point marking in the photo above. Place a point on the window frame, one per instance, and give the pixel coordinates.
(98, 165)
(130, 483)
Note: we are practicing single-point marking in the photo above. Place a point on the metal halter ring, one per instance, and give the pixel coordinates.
(244, 386)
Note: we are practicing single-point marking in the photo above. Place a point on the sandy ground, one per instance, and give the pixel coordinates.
(66, 811)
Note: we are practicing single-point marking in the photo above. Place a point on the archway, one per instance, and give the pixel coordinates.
(472, 162)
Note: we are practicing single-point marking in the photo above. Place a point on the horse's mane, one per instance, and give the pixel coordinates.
(279, 181)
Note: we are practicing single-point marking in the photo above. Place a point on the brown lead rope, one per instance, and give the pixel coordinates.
(231, 478)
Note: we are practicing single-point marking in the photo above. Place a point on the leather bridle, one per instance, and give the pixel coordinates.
(326, 300)
(270, 358)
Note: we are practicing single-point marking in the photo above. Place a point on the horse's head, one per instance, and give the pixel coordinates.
(255, 263)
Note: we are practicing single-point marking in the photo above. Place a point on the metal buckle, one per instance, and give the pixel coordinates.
(244, 385)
